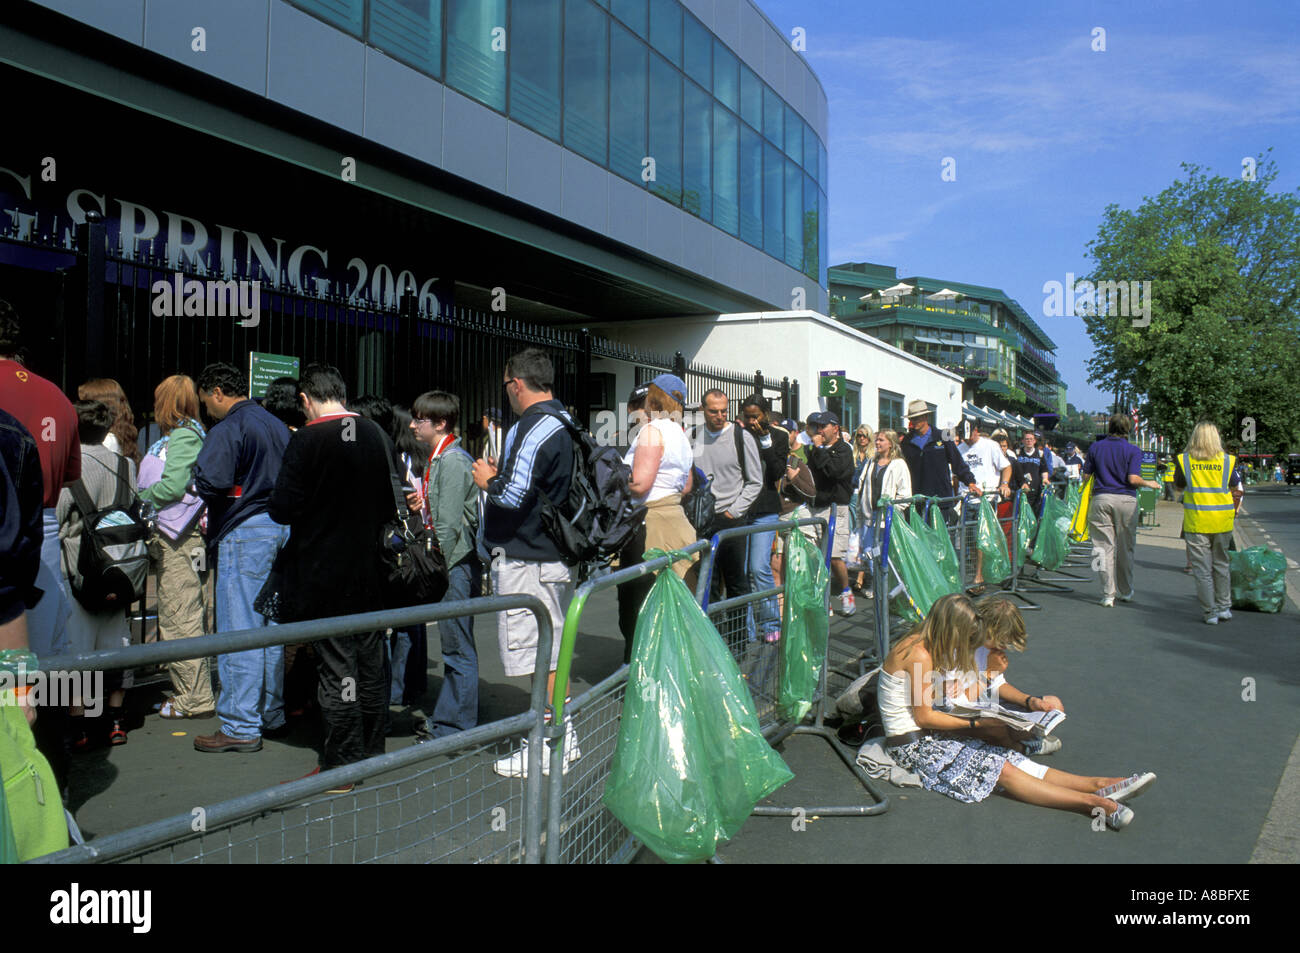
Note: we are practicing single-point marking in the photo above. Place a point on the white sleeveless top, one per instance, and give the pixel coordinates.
(892, 695)
(676, 463)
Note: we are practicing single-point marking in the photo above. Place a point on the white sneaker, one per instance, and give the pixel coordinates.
(1044, 745)
(1212, 619)
(1108, 602)
(1225, 615)
(1129, 788)
(848, 605)
(515, 765)
(1122, 816)
(1127, 597)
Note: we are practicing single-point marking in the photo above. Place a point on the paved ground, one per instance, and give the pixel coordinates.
(1147, 687)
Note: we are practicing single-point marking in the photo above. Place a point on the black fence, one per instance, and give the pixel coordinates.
(130, 315)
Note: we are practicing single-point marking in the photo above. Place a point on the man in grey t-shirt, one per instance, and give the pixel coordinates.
(728, 455)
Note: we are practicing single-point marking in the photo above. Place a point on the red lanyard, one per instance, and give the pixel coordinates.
(443, 444)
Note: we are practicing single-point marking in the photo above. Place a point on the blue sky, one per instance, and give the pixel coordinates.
(1045, 131)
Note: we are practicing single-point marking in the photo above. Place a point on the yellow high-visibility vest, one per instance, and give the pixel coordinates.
(1207, 501)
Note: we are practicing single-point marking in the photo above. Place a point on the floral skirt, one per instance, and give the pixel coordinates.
(963, 768)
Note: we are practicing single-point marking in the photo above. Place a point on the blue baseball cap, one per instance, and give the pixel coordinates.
(672, 385)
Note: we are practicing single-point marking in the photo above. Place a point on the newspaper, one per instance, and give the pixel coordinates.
(1039, 722)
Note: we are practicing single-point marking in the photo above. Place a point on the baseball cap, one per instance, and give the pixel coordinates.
(672, 385)
(823, 417)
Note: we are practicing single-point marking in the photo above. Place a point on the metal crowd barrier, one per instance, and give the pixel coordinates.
(436, 802)
(760, 664)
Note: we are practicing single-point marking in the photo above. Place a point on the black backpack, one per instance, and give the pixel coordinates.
(113, 560)
(600, 515)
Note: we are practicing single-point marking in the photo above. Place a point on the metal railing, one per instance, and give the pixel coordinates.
(439, 801)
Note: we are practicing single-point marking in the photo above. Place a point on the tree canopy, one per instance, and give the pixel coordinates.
(1223, 343)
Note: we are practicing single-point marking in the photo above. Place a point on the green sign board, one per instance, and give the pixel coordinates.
(264, 368)
(831, 383)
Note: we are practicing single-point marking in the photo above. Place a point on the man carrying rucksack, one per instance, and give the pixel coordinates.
(536, 458)
(102, 590)
(729, 456)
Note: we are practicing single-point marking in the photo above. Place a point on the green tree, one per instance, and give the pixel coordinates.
(1223, 342)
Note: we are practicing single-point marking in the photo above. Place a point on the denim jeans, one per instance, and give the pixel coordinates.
(47, 623)
(457, 705)
(252, 682)
(766, 614)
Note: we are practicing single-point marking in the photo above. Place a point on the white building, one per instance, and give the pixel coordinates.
(879, 382)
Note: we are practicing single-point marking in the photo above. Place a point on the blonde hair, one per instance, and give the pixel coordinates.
(864, 453)
(952, 632)
(174, 400)
(895, 448)
(1004, 626)
(1205, 442)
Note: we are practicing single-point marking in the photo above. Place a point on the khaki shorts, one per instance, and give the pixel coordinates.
(800, 512)
(840, 544)
(552, 583)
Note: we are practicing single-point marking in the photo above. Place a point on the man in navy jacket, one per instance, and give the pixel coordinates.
(933, 460)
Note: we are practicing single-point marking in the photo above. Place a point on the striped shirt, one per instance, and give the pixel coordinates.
(537, 457)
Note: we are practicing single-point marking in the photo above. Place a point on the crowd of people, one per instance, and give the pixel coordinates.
(286, 499)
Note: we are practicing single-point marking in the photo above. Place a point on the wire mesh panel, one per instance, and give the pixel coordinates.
(588, 833)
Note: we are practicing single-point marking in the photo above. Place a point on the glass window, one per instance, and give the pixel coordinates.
(751, 187)
(823, 231)
(631, 12)
(773, 116)
(751, 97)
(666, 29)
(773, 202)
(535, 65)
(823, 176)
(344, 14)
(409, 30)
(627, 104)
(793, 135)
(809, 150)
(726, 76)
(586, 62)
(697, 55)
(811, 227)
(793, 216)
(666, 129)
(473, 66)
(726, 194)
(697, 152)
(891, 412)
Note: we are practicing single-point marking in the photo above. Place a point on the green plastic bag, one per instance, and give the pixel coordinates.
(1258, 579)
(1026, 526)
(1051, 545)
(1073, 494)
(941, 543)
(805, 627)
(912, 560)
(992, 543)
(691, 761)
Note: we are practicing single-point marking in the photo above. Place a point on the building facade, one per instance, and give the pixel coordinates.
(1004, 357)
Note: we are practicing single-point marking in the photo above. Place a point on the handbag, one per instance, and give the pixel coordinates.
(699, 506)
(415, 570)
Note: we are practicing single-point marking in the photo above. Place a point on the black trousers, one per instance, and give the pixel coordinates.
(353, 697)
(631, 595)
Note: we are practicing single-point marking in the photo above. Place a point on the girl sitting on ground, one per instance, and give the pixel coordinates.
(942, 750)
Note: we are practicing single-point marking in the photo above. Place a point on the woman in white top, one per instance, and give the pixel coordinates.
(938, 747)
(884, 476)
(661, 459)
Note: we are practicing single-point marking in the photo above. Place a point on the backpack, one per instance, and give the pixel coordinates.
(113, 560)
(700, 504)
(600, 515)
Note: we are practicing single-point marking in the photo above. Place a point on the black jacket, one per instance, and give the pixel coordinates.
(774, 457)
(933, 466)
(832, 469)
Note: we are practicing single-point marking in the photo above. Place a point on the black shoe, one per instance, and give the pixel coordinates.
(274, 733)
